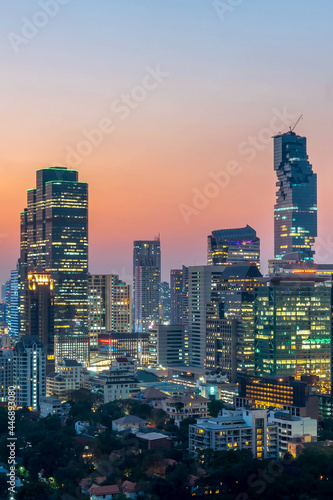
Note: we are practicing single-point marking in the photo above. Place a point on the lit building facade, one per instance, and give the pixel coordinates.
(202, 281)
(246, 429)
(112, 345)
(146, 283)
(221, 341)
(6, 366)
(109, 306)
(166, 345)
(293, 322)
(235, 294)
(230, 246)
(165, 303)
(176, 285)
(39, 312)
(295, 211)
(29, 371)
(54, 239)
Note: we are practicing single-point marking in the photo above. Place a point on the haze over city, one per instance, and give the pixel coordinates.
(223, 77)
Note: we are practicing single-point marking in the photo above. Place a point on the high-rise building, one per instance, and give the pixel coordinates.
(293, 322)
(176, 283)
(109, 306)
(14, 303)
(230, 246)
(146, 283)
(202, 281)
(165, 303)
(39, 312)
(6, 366)
(295, 211)
(221, 341)
(29, 367)
(235, 294)
(54, 239)
(166, 345)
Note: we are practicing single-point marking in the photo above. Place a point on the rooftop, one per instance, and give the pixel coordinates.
(239, 232)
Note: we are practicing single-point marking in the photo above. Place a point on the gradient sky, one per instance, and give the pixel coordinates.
(226, 76)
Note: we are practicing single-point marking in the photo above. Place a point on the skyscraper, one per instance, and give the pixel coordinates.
(109, 306)
(39, 313)
(230, 246)
(146, 283)
(295, 211)
(176, 285)
(165, 303)
(54, 239)
(293, 328)
(202, 281)
(29, 374)
(14, 302)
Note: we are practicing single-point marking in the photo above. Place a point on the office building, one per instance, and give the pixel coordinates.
(6, 366)
(246, 429)
(13, 303)
(176, 288)
(298, 397)
(29, 368)
(165, 304)
(221, 341)
(293, 317)
(202, 281)
(234, 299)
(295, 210)
(39, 312)
(166, 345)
(112, 345)
(146, 283)
(230, 246)
(54, 239)
(109, 306)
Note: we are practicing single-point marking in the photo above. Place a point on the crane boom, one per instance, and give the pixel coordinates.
(294, 126)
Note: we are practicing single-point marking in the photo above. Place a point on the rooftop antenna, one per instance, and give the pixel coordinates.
(291, 129)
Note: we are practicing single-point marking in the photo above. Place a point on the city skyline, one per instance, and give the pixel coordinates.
(147, 145)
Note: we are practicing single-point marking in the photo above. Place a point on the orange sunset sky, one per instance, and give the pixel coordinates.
(227, 78)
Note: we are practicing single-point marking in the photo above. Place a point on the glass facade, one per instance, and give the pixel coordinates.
(295, 211)
(54, 239)
(293, 330)
(146, 283)
(230, 246)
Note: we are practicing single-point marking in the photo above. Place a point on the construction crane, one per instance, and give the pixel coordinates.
(291, 129)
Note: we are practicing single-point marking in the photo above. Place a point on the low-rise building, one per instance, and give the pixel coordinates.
(246, 429)
(114, 384)
(108, 492)
(128, 423)
(65, 380)
(53, 406)
(291, 427)
(184, 406)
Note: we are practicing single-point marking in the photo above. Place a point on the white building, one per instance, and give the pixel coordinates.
(6, 368)
(66, 379)
(246, 429)
(29, 366)
(114, 384)
(185, 406)
(291, 427)
(201, 282)
(52, 406)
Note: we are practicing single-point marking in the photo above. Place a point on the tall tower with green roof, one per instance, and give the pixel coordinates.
(54, 240)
